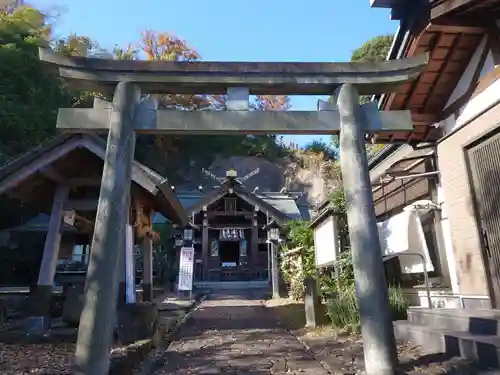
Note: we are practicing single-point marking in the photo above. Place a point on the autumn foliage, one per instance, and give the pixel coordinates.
(31, 120)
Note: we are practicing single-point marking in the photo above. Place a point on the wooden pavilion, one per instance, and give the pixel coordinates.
(62, 176)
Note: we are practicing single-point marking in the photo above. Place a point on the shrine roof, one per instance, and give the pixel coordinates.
(283, 203)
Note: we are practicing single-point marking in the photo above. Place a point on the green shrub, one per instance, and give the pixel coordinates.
(343, 311)
(399, 303)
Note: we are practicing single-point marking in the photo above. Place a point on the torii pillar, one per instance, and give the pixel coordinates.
(96, 327)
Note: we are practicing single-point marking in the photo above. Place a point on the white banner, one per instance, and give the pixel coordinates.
(186, 268)
(129, 265)
(403, 233)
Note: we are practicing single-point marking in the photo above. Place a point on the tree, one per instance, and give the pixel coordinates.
(320, 147)
(376, 49)
(75, 45)
(83, 46)
(271, 103)
(30, 92)
(127, 53)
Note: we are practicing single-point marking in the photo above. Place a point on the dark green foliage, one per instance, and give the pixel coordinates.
(375, 49)
(298, 234)
(342, 306)
(329, 151)
(30, 94)
(164, 254)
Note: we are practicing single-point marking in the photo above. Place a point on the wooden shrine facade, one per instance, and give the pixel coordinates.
(230, 235)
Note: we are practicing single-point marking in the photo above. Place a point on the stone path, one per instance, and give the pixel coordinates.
(235, 334)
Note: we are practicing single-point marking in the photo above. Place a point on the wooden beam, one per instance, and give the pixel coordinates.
(462, 100)
(456, 29)
(90, 120)
(261, 78)
(449, 6)
(454, 45)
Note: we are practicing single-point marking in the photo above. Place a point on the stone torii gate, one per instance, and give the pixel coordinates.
(128, 115)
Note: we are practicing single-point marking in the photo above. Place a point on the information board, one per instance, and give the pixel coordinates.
(186, 269)
(326, 242)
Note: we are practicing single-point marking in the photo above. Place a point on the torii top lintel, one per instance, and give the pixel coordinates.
(261, 78)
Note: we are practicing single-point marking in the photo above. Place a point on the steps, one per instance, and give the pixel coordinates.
(468, 333)
(231, 285)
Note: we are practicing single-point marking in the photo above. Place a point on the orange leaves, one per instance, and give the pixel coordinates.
(165, 46)
(271, 103)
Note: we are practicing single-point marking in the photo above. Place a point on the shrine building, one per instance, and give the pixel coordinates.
(230, 238)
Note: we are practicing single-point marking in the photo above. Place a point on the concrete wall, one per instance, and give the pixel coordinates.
(459, 206)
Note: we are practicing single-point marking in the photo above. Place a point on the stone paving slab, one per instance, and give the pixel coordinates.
(234, 334)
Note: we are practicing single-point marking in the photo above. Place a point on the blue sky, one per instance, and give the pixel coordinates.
(231, 30)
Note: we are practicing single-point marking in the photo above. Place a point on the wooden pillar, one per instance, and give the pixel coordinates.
(254, 242)
(97, 321)
(42, 294)
(131, 290)
(215, 258)
(204, 250)
(122, 285)
(122, 260)
(275, 278)
(147, 255)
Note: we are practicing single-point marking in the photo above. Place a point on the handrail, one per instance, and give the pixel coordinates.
(426, 276)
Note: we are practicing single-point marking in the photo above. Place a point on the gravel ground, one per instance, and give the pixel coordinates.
(234, 334)
(40, 359)
(342, 353)
(237, 334)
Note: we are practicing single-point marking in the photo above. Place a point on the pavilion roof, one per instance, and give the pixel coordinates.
(33, 176)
